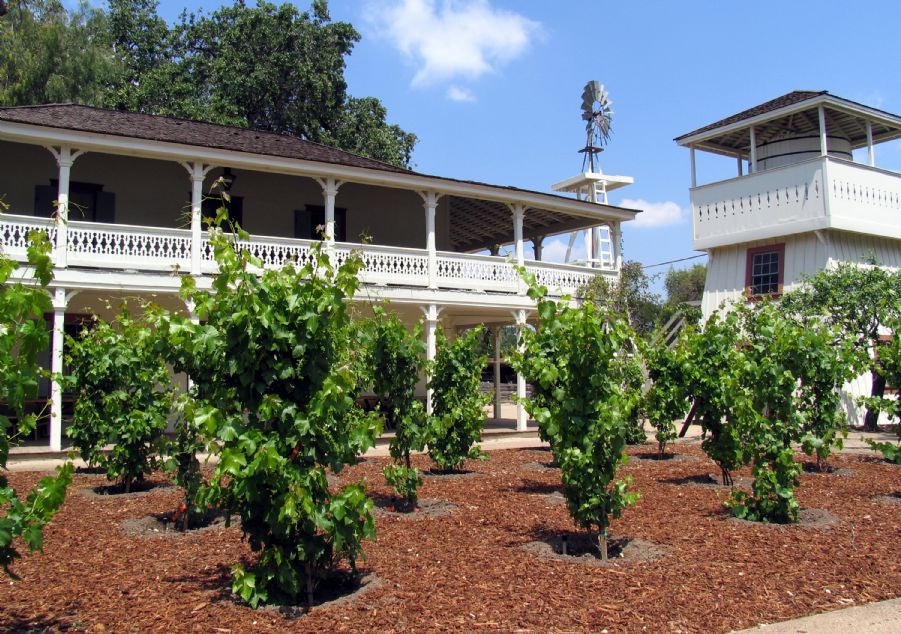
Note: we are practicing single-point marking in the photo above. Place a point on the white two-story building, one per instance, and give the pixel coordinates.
(122, 195)
(798, 201)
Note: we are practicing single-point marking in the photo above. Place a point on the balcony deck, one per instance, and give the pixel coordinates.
(145, 249)
(820, 193)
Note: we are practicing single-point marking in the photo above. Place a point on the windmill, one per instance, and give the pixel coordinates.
(592, 184)
(597, 112)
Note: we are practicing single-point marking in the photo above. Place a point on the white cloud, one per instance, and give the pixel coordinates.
(654, 215)
(449, 39)
(455, 93)
(554, 250)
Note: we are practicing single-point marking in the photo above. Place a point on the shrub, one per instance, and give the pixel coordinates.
(666, 398)
(581, 402)
(273, 367)
(458, 414)
(123, 396)
(23, 335)
(397, 361)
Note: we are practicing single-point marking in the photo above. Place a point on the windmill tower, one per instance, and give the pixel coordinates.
(592, 184)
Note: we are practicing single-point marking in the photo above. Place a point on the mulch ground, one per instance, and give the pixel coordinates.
(472, 569)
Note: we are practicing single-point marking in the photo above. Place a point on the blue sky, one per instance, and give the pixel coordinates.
(492, 87)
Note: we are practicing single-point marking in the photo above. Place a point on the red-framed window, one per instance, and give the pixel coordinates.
(765, 271)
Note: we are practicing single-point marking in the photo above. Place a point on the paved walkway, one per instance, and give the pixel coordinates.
(883, 617)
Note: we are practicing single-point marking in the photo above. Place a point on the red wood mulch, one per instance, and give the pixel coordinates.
(466, 571)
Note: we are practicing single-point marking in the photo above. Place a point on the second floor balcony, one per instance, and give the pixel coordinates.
(112, 247)
(820, 193)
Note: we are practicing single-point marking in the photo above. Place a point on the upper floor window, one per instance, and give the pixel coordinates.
(309, 223)
(87, 201)
(765, 270)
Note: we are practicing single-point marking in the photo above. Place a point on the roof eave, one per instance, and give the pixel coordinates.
(180, 152)
(837, 103)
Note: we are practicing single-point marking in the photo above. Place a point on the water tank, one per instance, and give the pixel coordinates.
(794, 149)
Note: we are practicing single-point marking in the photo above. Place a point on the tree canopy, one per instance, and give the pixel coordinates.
(685, 285)
(268, 67)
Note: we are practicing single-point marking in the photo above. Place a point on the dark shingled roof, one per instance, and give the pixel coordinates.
(169, 129)
(791, 98)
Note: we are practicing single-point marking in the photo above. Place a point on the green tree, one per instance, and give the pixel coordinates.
(458, 414)
(23, 335)
(581, 403)
(685, 285)
(889, 356)
(268, 67)
(49, 55)
(123, 397)
(858, 299)
(273, 367)
(630, 296)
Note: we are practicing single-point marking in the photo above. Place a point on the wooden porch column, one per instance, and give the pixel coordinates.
(430, 200)
(740, 168)
(871, 152)
(537, 245)
(197, 171)
(60, 299)
(522, 416)
(694, 173)
(194, 319)
(496, 331)
(431, 324)
(65, 157)
(330, 188)
(824, 147)
(518, 211)
(752, 168)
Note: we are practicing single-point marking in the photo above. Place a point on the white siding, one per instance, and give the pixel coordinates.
(805, 254)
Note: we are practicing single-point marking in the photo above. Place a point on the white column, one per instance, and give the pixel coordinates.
(65, 157)
(430, 200)
(537, 246)
(496, 331)
(871, 153)
(824, 148)
(197, 172)
(522, 416)
(431, 324)
(59, 300)
(752, 168)
(330, 188)
(740, 167)
(694, 173)
(194, 319)
(518, 211)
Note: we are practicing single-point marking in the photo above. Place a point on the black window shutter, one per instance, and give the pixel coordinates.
(44, 200)
(105, 207)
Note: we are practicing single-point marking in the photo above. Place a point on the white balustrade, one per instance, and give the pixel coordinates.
(565, 279)
(864, 199)
(14, 230)
(128, 247)
(95, 245)
(750, 206)
(814, 194)
(389, 265)
(476, 272)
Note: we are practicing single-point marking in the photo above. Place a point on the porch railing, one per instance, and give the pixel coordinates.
(140, 248)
